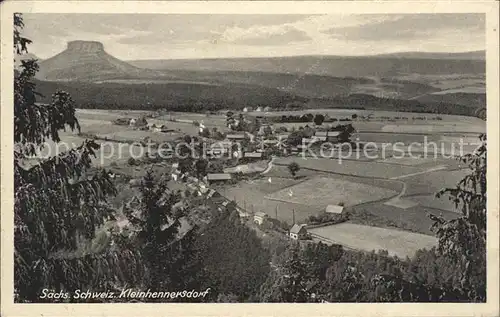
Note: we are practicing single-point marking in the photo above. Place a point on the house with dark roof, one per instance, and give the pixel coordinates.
(298, 232)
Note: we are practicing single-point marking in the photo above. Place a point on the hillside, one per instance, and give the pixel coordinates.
(337, 66)
(473, 55)
(262, 81)
(174, 96)
(88, 61)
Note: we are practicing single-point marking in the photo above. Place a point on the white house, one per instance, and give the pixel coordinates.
(260, 217)
(334, 209)
(298, 232)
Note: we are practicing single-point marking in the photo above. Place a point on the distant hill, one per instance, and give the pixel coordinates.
(337, 66)
(472, 100)
(88, 61)
(173, 96)
(472, 55)
(305, 76)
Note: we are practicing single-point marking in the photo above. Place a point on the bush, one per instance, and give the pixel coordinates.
(131, 161)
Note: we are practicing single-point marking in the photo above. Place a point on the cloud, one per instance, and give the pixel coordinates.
(410, 26)
(262, 35)
(157, 36)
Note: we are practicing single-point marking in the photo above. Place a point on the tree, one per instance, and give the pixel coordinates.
(201, 166)
(290, 280)
(157, 236)
(295, 138)
(59, 200)
(463, 240)
(293, 168)
(319, 119)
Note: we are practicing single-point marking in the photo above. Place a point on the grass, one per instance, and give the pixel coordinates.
(433, 182)
(251, 196)
(413, 219)
(396, 242)
(322, 191)
(356, 168)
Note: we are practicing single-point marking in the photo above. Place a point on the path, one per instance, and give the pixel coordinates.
(269, 165)
(430, 170)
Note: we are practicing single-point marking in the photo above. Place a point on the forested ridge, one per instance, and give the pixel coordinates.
(60, 205)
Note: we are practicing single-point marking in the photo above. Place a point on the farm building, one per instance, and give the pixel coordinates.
(330, 136)
(141, 122)
(229, 205)
(253, 155)
(239, 136)
(333, 136)
(260, 217)
(212, 193)
(218, 177)
(298, 232)
(122, 121)
(334, 209)
(217, 151)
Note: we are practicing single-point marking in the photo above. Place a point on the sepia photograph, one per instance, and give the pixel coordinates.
(219, 157)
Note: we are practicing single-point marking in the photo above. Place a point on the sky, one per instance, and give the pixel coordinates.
(165, 36)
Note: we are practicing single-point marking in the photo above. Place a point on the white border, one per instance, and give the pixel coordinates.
(490, 8)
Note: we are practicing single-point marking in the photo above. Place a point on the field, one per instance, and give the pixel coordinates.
(322, 191)
(396, 242)
(414, 219)
(250, 195)
(433, 182)
(357, 168)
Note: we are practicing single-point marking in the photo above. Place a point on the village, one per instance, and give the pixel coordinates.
(245, 152)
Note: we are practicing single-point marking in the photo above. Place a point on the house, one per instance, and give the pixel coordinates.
(212, 193)
(298, 232)
(267, 109)
(229, 205)
(217, 151)
(334, 209)
(236, 137)
(253, 155)
(330, 136)
(141, 122)
(259, 109)
(333, 136)
(260, 217)
(218, 177)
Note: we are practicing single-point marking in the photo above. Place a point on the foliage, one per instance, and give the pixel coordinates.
(232, 256)
(58, 200)
(464, 239)
(293, 168)
(319, 119)
(166, 252)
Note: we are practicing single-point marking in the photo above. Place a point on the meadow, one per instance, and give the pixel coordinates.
(322, 191)
(396, 242)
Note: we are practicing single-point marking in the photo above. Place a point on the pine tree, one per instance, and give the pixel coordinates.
(167, 253)
(463, 240)
(57, 200)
